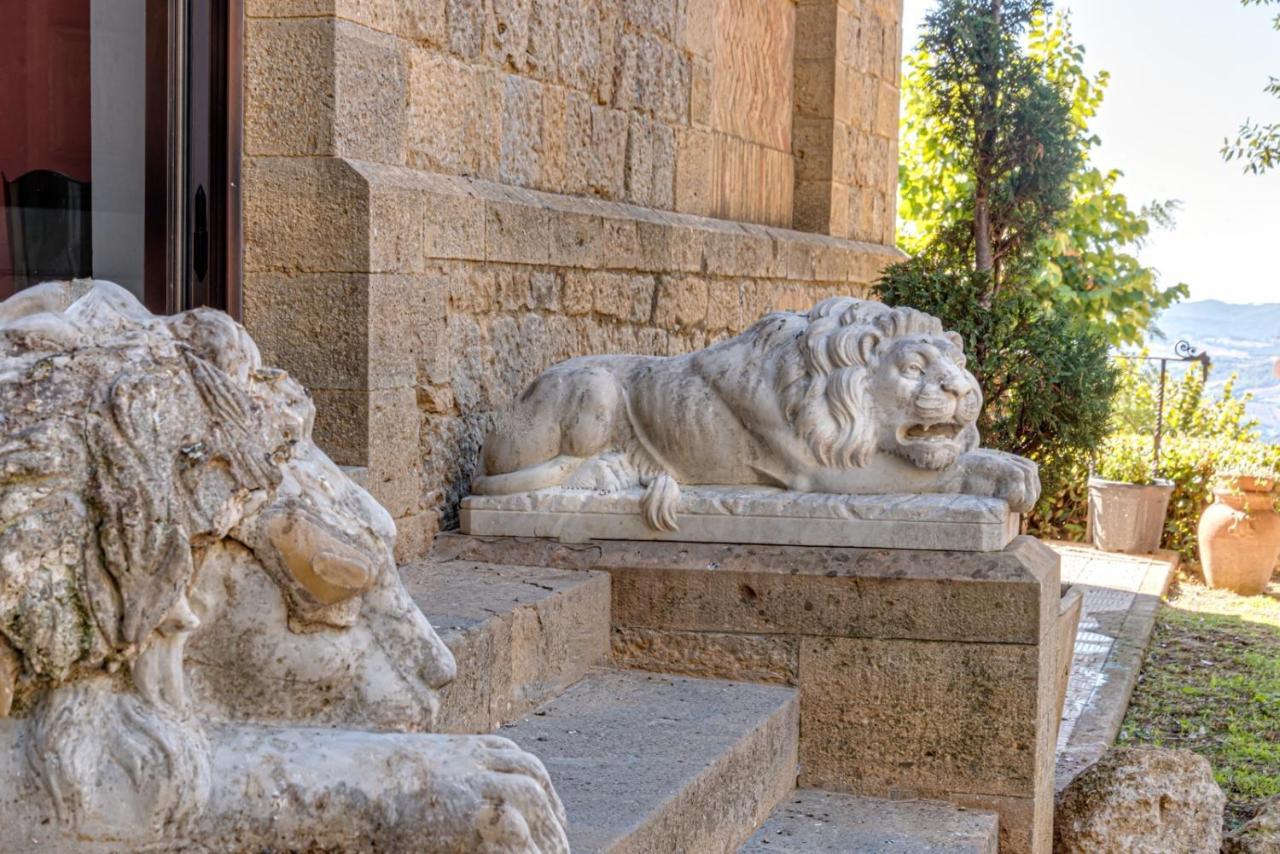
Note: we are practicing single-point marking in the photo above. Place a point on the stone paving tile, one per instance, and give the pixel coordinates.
(1118, 614)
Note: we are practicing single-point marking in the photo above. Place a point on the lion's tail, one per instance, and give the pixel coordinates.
(551, 473)
(661, 497)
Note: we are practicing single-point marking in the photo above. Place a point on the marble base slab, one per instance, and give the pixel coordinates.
(753, 515)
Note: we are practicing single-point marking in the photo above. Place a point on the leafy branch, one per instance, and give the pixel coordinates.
(1257, 145)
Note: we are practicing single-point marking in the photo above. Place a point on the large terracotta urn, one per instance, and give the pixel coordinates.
(1239, 535)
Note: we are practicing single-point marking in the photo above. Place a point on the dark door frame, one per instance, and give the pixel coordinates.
(193, 138)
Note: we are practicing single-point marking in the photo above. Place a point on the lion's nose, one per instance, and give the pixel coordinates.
(931, 399)
(955, 384)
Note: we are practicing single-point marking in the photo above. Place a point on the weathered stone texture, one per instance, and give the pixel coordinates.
(722, 655)
(903, 741)
(521, 636)
(1141, 800)
(1260, 835)
(846, 117)
(152, 704)
(659, 763)
(588, 97)
(815, 821)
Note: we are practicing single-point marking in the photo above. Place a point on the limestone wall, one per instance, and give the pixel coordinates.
(443, 197)
(848, 61)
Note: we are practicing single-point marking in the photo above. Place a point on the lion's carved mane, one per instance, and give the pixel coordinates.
(822, 376)
(187, 583)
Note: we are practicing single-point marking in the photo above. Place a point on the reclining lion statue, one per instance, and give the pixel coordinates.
(852, 397)
(204, 641)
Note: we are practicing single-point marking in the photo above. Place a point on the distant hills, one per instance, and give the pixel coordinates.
(1240, 338)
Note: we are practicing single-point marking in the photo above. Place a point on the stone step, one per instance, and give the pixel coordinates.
(646, 762)
(521, 635)
(816, 822)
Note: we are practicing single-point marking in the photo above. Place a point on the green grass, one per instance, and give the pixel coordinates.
(1211, 683)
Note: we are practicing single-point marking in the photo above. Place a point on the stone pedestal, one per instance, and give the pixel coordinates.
(751, 514)
(922, 674)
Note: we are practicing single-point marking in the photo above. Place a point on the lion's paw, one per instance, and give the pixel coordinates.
(999, 475)
(518, 808)
(606, 474)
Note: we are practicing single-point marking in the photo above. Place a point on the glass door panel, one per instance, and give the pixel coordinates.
(119, 147)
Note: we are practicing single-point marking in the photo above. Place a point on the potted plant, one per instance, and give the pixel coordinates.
(1239, 533)
(1127, 502)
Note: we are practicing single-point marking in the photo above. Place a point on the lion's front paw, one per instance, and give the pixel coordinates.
(517, 808)
(605, 474)
(999, 475)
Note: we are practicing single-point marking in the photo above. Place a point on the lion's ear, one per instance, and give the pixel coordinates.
(869, 346)
(955, 338)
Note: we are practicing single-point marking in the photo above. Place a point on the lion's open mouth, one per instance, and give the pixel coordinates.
(941, 432)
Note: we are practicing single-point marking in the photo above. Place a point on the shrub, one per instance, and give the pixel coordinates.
(1194, 464)
(1046, 377)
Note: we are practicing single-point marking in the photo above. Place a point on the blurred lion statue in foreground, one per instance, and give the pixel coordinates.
(852, 397)
(189, 590)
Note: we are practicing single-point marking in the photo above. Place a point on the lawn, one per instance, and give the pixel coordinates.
(1211, 683)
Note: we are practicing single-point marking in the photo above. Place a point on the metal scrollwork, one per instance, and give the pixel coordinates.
(1183, 351)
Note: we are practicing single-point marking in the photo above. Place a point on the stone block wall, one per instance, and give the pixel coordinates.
(848, 62)
(443, 197)
(671, 104)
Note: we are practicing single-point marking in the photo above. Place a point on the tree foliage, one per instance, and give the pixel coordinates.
(1082, 259)
(1257, 145)
(1007, 127)
(993, 136)
(1089, 263)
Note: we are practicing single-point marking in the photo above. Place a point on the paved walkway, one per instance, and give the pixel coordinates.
(1120, 599)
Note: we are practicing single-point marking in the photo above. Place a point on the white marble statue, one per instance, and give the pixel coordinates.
(204, 641)
(852, 398)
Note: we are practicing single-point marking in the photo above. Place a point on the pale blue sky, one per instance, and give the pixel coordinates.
(1184, 74)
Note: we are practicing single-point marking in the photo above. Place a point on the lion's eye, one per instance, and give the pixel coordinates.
(913, 369)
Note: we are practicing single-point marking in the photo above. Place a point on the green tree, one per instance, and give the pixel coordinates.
(1089, 264)
(1086, 262)
(1046, 377)
(1004, 126)
(991, 144)
(1256, 145)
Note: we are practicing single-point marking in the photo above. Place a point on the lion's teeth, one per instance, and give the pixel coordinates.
(932, 431)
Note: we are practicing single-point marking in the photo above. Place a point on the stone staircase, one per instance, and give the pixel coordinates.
(648, 762)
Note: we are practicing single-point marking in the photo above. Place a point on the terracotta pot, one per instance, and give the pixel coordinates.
(1239, 537)
(1127, 517)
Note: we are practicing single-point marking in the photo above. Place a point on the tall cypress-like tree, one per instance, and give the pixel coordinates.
(994, 103)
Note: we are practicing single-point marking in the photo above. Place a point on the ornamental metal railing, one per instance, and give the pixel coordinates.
(1182, 352)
